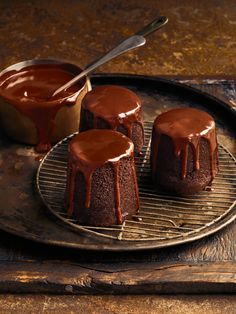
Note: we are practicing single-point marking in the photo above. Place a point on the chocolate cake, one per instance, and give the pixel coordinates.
(184, 154)
(101, 179)
(116, 108)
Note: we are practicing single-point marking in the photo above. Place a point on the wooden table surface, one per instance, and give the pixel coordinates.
(198, 40)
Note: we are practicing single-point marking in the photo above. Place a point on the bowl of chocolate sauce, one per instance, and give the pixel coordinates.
(28, 112)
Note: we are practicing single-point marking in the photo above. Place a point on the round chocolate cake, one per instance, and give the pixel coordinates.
(116, 108)
(101, 180)
(184, 154)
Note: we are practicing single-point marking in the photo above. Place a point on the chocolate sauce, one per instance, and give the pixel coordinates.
(29, 90)
(90, 150)
(186, 126)
(116, 105)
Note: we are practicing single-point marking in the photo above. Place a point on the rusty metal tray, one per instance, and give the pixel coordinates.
(24, 214)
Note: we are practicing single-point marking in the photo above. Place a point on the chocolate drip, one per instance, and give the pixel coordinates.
(93, 149)
(186, 127)
(116, 166)
(29, 90)
(116, 105)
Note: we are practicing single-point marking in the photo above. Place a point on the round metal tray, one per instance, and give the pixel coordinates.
(165, 218)
(24, 214)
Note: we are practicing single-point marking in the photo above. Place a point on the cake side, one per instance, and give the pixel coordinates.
(103, 204)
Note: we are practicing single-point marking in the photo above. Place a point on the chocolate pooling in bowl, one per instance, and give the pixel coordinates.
(29, 90)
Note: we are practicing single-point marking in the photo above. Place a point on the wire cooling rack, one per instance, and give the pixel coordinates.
(162, 217)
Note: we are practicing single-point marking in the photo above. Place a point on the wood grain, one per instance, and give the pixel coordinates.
(144, 278)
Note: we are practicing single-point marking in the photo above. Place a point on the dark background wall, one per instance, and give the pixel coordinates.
(199, 38)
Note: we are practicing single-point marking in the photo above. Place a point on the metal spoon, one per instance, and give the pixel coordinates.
(132, 42)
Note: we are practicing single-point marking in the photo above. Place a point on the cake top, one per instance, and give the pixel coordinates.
(96, 147)
(184, 123)
(111, 101)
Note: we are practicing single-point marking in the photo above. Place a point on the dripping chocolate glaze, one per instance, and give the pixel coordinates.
(186, 126)
(90, 150)
(116, 105)
(29, 90)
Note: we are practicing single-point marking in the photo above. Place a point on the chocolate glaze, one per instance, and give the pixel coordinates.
(29, 90)
(90, 150)
(116, 105)
(185, 126)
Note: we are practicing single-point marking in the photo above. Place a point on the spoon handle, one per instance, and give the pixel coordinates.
(132, 42)
(153, 26)
(128, 44)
